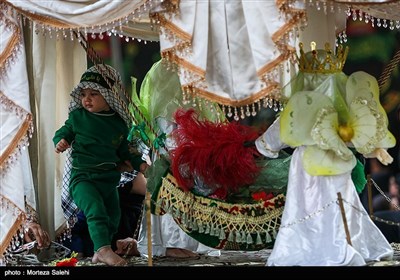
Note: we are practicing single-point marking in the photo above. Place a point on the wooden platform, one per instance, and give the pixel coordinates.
(229, 258)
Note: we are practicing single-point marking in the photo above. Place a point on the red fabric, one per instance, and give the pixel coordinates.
(215, 152)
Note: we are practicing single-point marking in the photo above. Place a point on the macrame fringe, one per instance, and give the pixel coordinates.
(245, 225)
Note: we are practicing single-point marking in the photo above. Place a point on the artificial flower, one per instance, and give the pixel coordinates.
(261, 196)
(341, 113)
(71, 261)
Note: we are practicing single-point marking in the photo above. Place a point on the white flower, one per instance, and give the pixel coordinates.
(339, 114)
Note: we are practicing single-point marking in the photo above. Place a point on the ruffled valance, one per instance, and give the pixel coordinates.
(127, 18)
(231, 52)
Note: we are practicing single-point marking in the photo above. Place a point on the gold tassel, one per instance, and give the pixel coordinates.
(221, 234)
(238, 237)
(207, 229)
(268, 238)
(195, 226)
(249, 239)
(258, 240)
(201, 228)
(212, 230)
(230, 236)
(166, 206)
(189, 223)
(177, 213)
(216, 232)
(184, 219)
(244, 237)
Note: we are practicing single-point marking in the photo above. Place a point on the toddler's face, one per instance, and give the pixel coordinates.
(93, 101)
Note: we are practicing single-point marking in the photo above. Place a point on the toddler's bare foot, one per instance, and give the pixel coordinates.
(127, 246)
(179, 253)
(106, 255)
(189, 253)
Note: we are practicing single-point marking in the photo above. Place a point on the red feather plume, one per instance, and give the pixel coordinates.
(214, 152)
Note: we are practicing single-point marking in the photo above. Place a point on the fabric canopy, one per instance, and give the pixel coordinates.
(232, 52)
(126, 18)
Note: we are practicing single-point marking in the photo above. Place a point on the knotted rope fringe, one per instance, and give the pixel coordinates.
(250, 225)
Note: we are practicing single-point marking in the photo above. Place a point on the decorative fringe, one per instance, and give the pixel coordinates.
(216, 219)
(258, 240)
(268, 237)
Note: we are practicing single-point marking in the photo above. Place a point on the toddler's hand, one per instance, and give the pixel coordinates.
(143, 167)
(61, 146)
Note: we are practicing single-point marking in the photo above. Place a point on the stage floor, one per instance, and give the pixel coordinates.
(229, 258)
(217, 258)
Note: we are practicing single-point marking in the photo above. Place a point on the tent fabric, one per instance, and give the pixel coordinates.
(16, 127)
(127, 17)
(38, 72)
(383, 11)
(231, 52)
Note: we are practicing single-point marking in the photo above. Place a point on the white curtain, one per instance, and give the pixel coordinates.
(16, 126)
(56, 67)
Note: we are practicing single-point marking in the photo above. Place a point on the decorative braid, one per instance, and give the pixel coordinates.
(387, 72)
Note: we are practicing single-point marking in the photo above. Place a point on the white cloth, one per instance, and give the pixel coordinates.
(16, 182)
(125, 17)
(165, 233)
(383, 9)
(312, 231)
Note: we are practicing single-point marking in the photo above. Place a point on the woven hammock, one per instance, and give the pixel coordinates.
(218, 224)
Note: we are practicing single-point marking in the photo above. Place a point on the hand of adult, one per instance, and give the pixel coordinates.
(36, 232)
(125, 166)
(143, 167)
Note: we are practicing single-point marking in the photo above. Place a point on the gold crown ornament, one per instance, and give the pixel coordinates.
(322, 61)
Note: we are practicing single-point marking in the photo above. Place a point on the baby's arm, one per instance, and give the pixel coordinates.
(64, 136)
